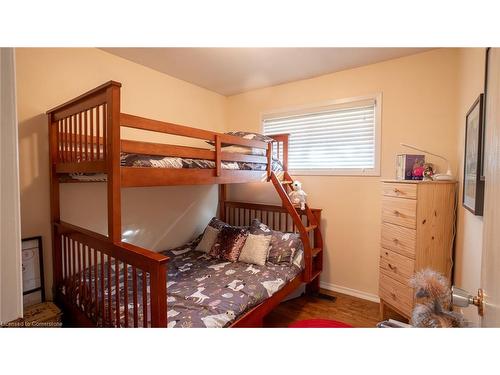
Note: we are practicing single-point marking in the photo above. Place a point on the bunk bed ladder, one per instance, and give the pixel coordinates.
(313, 256)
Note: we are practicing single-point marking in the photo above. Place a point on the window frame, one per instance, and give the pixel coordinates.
(328, 105)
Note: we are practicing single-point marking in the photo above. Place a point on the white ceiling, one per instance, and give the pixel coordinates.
(230, 71)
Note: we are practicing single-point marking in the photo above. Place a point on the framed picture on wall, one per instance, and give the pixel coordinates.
(487, 79)
(473, 185)
(33, 282)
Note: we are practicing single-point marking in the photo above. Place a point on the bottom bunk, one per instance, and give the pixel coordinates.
(201, 291)
(102, 285)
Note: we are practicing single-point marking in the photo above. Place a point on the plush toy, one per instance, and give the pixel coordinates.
(297, 195)
(433, 301)
(428, 171)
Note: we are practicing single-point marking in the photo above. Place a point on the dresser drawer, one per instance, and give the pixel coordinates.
(399, 239)
(393, 189)
(396, 294)
(397, 266)
(399, 211)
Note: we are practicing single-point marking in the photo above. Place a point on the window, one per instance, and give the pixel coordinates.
(339, 138)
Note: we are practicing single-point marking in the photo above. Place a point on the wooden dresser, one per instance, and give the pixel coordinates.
(417, 232)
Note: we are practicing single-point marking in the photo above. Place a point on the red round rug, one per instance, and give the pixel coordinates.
(319, 323)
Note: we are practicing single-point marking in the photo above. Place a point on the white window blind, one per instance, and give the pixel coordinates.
(337, 138)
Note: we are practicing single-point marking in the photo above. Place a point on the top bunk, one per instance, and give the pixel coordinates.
(86, 145)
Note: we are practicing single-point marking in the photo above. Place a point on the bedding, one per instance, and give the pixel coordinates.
(154, 161)
(244, 150)
(204, 291)
(282, 246)
(207, 292)
(170, 162)
(246, 135)
(227, 147)
(251, 135)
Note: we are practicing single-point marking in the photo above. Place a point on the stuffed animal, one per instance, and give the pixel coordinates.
(297, 195)
(428, 171)
(433, 301)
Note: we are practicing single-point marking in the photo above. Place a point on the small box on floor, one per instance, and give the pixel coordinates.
(410, 167)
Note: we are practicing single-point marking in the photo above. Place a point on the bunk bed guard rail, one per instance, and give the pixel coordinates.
(103, 280)
(85, 136)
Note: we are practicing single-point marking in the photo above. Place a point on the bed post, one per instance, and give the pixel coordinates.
(285, 152)
(113, 162)
(222, 201)
(269, 154)
(54, 206)
(317, 262)
(158, 295)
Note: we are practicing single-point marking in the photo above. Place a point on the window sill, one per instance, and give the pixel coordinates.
(336, 172)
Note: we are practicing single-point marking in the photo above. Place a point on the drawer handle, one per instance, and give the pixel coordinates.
(399, 214)
(397, 191)
(393, 295)
(395, 240)
(394, 268)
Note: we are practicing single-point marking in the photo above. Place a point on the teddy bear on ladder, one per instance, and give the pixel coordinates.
(297, 195)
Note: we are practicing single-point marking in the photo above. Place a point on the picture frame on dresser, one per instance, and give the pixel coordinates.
(473, 184)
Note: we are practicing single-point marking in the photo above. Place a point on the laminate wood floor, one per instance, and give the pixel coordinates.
(351, 310)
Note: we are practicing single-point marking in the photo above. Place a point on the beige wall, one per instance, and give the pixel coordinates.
(48, 77)
(469, 227)
(419, 107)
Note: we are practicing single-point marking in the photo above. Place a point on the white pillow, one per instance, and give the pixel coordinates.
(209, 237)
(244, 150)
(255, 249)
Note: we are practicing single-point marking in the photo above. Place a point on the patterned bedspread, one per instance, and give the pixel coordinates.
(201, 291)
(151, 161)
(207, 292)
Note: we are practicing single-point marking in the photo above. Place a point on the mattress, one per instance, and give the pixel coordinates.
(202, 291)
(170, 162)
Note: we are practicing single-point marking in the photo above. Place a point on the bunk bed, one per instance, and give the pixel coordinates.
(100, 280)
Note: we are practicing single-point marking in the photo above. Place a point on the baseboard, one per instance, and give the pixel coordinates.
(349, 291)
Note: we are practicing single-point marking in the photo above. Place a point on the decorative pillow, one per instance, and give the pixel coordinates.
(298, 259)
(255, 249)
(208, 239)
(217, 223)
(229, 243)
(259, 229)
(283, 247)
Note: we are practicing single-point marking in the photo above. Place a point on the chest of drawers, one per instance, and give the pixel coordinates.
(417, 232)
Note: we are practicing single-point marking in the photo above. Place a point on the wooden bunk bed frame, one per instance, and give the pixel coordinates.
(84, 137)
